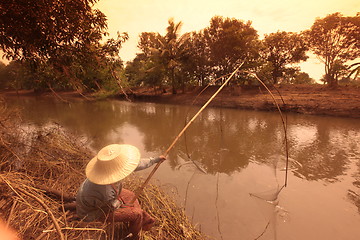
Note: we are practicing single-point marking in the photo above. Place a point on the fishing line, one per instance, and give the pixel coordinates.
(272, 197)
(192, 103)
(187, 189)
(218, 174)
(187, 115)
(187, 149)
(284, 124)
(258, 237)
(140, 189)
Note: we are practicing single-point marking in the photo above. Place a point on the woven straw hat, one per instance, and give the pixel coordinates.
(113, 163)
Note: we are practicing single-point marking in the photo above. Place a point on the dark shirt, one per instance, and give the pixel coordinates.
(94, 201)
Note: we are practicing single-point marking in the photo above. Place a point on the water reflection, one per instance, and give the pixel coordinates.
(323, 149)
(227, 154)
(354, 192)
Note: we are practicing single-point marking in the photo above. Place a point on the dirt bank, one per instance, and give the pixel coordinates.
(343, 101)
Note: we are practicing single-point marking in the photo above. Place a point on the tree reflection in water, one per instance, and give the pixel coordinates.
(322, 149)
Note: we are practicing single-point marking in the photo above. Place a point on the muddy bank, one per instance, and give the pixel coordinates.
(343, 101)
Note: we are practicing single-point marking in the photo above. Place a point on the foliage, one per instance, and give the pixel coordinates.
(174, 53)
(4, 74)
(40, 29)
(162, 59)
(282, 49)
(335, 39)
(150, 63)
(302, 78)
(195, 58)
(143, 71)
(198, 64)
(231, 41)
(355, 70)
(90, 68)
(171, 53)
(93, 66)
(59, 42)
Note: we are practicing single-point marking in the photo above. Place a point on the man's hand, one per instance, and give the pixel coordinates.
(162, 158)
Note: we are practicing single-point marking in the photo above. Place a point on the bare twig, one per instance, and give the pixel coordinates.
(48, 210)
(57, 95)
(11, 213)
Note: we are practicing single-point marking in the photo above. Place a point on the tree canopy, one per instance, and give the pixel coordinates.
(38, 29)
(282, 49)
(231, 41)
(60, 42)
(336, 40)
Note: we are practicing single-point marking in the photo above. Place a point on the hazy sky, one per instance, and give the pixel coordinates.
(136, 16)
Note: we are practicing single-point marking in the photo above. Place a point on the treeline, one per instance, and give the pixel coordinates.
(59, 45)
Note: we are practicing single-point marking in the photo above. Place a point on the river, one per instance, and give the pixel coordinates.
(228, 170)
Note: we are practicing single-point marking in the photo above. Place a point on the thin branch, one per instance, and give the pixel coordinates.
(57, 95)
(48, 210)
(119, 83)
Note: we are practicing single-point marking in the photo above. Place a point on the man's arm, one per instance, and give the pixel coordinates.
(148, 162)
(111, 197)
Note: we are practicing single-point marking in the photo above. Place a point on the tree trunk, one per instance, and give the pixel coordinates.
(172, 72)
(330, 80)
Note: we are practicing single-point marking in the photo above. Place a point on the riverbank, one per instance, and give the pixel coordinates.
(343, 101)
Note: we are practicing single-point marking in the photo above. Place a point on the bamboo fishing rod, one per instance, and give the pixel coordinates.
(141, 188)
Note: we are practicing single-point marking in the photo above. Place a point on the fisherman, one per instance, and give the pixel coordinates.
(101, 196)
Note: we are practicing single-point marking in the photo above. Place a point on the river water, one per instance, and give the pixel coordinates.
(228, 170)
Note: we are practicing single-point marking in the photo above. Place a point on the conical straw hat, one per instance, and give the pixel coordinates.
(113, 163)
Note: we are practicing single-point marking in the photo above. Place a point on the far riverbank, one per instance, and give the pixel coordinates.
(343, 101)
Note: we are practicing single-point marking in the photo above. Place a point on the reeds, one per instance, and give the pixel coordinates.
(54, 158)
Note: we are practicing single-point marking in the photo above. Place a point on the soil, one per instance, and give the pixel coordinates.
(342, 101)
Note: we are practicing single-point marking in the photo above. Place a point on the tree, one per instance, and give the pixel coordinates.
(148, 68)
(59, 41)
(354, 70)
(166, 54)
(92, 66)
(3, 75)
(282, 49)
(335, 39)
(302, 78)
(231, 41)
(40, 29)
(144, 71)
(198, 65)
(173, 52)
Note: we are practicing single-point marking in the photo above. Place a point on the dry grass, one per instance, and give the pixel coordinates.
(56, 159)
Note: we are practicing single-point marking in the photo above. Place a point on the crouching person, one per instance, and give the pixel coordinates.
(101, 196)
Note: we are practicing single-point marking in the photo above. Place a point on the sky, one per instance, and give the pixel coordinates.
(136, 16)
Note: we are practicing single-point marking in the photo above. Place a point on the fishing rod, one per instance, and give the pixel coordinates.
(141, 188)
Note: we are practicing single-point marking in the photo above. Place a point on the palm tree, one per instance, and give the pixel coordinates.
(173, 52)
(355, 71)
